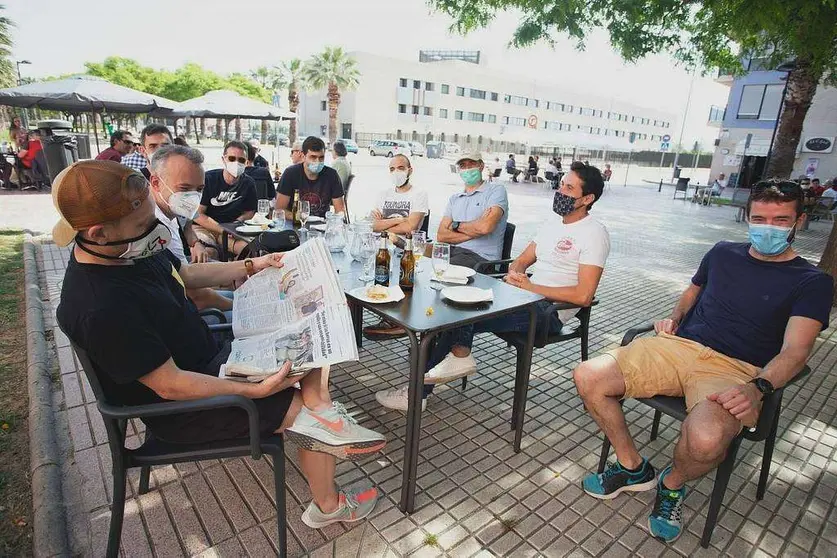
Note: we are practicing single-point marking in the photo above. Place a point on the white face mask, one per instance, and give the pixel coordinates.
(399, 178)
(182, 204)
(235, 169)
(156, 240)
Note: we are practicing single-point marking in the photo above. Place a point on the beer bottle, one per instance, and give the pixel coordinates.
(295, 210)
(408, 266)
(382, 263)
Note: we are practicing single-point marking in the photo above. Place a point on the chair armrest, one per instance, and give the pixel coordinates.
(222, 331)
(770, 406)
(222, 319)
(634, 332)
(491, 267)
(174, 407)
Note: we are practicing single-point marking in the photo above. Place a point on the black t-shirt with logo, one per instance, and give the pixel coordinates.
(318, 193)
(130, 320)
(224, 202)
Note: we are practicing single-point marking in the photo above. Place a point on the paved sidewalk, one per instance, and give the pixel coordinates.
(475, 495)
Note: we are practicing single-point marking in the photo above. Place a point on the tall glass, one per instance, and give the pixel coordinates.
(368, 250)
(419, 244)
(264, 208)
(304, 212)
(441, 261)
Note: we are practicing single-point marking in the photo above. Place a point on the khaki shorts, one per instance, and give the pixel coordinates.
(207, 237)
(670, 365)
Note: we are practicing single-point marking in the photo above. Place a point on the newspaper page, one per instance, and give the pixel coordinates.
(296, 313)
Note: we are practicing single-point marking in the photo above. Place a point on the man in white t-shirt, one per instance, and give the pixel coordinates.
(569, 254)
(399, 210)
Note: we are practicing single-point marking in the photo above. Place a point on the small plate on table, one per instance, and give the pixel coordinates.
(251, 229)
(468, 295)
(258, 222)
(394, 294)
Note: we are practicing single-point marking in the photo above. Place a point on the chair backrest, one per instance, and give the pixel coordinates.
(348, 185)
(508, 239)
(549, 175)
(497, 172)
(265, 190)
(740, 196)
(425, 223)
(682, 185)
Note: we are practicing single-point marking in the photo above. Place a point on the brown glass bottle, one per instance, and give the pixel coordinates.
(295, 211)
(408, 266)
(382, 262)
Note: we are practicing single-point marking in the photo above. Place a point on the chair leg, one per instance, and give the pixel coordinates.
(767, 456)
(517, 385)
(464, 382)
(722, 476)
(655, 426)
(145, 474)
(117, 512)
(603, 457)
(279, 488)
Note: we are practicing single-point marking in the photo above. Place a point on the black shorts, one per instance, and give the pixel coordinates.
(222, 424)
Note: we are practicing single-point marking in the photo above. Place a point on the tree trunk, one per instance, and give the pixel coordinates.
(218, 128)
(226, 129)
(264, 132)
(202, 132)
(333, 105)
(293, 104)
(801, 87)
(238, 128)
(188, 126)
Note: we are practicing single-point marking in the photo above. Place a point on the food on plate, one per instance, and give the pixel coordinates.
(377, 292)
(429, 311)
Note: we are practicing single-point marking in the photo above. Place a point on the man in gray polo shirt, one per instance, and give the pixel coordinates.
(475, 219)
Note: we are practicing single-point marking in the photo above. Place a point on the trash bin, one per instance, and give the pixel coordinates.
(677, 172)
(59, 145)
(83, 143)
(433, 150)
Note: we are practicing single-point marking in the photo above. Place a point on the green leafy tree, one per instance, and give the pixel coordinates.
(8, 72)
(292, 79)
(333, 70)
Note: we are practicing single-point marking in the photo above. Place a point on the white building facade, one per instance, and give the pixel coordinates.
(448, 98)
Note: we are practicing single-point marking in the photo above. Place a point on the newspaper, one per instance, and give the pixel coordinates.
(295, 313)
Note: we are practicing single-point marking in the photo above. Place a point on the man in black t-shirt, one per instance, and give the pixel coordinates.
(316, 183)
(744, 327)
(123, 302)
(228, 195)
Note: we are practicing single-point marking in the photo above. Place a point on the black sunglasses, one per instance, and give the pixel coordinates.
(234, 159)
(783, 187)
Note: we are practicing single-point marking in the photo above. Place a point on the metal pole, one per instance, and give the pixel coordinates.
(662, 156)
(630, 155)
(660, 189)
(683, 124)
(95, 133)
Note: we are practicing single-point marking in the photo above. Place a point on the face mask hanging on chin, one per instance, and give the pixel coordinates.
(154, 240)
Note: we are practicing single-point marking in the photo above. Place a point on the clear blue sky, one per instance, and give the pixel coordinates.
(238, 36)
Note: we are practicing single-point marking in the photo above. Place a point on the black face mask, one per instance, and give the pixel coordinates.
(562, 204)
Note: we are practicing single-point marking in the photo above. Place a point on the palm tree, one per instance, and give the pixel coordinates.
(8, 75)
(271, 79)
(335, 70)
(292, 79)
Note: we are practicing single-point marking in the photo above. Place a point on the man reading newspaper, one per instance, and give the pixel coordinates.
(123, 301)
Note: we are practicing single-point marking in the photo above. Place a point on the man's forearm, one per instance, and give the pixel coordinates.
(384, 224)
(573, 295)
(189, 235)
(405, 226)
(247, 215)
(687, 300)
(472, 229)
(208, 223)
(785, 366)
(451, 237)
(211, 274)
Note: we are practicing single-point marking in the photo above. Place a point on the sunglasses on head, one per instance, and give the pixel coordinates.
(234, 159)
(784, 187)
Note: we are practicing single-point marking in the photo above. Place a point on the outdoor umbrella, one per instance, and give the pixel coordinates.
(229, 104)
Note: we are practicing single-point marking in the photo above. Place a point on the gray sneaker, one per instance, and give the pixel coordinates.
(353, 505)
(334, 431)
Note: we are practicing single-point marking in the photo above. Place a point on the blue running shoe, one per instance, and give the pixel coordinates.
(666, 519)
(616, 479)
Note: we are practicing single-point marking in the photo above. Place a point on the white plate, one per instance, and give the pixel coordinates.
(256, 223)
(315, 219)
(459, 272)
(250, 229)
(317, 227)
(468, 295)
(395, 294)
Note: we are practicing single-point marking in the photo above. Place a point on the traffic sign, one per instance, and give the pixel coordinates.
(666, 138)
(665, 146)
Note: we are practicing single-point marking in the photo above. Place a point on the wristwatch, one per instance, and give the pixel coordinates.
(764, 386)
(455, 226)
(248, 265)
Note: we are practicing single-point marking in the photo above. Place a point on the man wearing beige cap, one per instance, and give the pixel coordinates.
(123, 302)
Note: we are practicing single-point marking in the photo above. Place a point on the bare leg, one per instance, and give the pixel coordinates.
(317, 467)
(705, 436)
(460, 352)
(314, 388)
(600, 384)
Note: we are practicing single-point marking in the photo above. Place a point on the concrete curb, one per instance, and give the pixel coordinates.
(48, 513)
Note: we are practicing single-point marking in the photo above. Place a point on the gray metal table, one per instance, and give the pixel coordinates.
(422, 330)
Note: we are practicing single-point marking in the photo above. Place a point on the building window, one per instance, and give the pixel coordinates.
(513, 121)
(443, 113)
(428, 111)
(494, 96)
(415, 109)
(477, 94)
(492, 118)
(534, 103)
(428, 86)
(416, 84)
(507, 98)
(460, 91)
(445, 89)
(476, 117)
(402, 82)
(323, 105)
(568, 108)
(457, 115)
(402, 109)
(521, 101)
(588, 112)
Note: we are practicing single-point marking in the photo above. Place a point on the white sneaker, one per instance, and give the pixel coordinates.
(397, 399)
(334, 431)
(451, 368)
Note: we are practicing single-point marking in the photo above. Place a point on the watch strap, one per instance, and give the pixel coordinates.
(248, 265)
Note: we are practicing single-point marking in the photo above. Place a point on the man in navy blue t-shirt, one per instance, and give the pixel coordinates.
(743, 328)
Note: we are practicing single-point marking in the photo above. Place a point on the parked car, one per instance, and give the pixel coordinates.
(351, 145)
(417, 149)
(452, 148)
(389, 148)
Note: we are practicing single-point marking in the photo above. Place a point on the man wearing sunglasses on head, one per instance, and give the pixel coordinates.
(228, 195)
(743, 328)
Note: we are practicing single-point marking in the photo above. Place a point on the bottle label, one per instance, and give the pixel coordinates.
(382, 275)
(406, 279)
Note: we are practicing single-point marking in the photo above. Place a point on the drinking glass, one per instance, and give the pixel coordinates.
(419, 244)
(441, 261)
(304, 212)
(368, 251)
(264, 208)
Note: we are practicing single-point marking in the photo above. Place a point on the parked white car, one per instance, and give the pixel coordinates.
(389, 148)
(417, 149)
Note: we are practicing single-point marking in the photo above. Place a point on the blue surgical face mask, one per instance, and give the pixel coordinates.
(470, 176)
(316, 168)
(770, 240)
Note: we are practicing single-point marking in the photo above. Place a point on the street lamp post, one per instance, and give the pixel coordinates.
(683, 124)
(20, 82)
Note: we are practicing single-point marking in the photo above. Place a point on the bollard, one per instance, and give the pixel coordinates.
(660, 189)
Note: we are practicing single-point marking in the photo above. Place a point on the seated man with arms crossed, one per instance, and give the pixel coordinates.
(569, 254)
(399, 210)
(123, 302)
(744, 327)
(475, 219)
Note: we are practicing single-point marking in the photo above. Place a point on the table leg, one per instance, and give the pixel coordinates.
(222, 250)
(356, 310)
(524, 367)
(419, 353)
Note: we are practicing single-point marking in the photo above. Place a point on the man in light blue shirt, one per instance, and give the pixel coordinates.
(475, 219)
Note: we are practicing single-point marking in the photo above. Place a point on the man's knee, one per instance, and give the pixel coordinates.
(599, 376)
(707, 439)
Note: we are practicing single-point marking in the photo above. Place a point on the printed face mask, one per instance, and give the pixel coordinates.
(155, 239)
(562, 204)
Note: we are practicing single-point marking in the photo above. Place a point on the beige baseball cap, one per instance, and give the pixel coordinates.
(89, 193)
(471, 156)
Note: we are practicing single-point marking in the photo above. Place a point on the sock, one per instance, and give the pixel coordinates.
(637, 470)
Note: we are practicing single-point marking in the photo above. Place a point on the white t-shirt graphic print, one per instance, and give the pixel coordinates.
(392, 203)
(561, 248)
